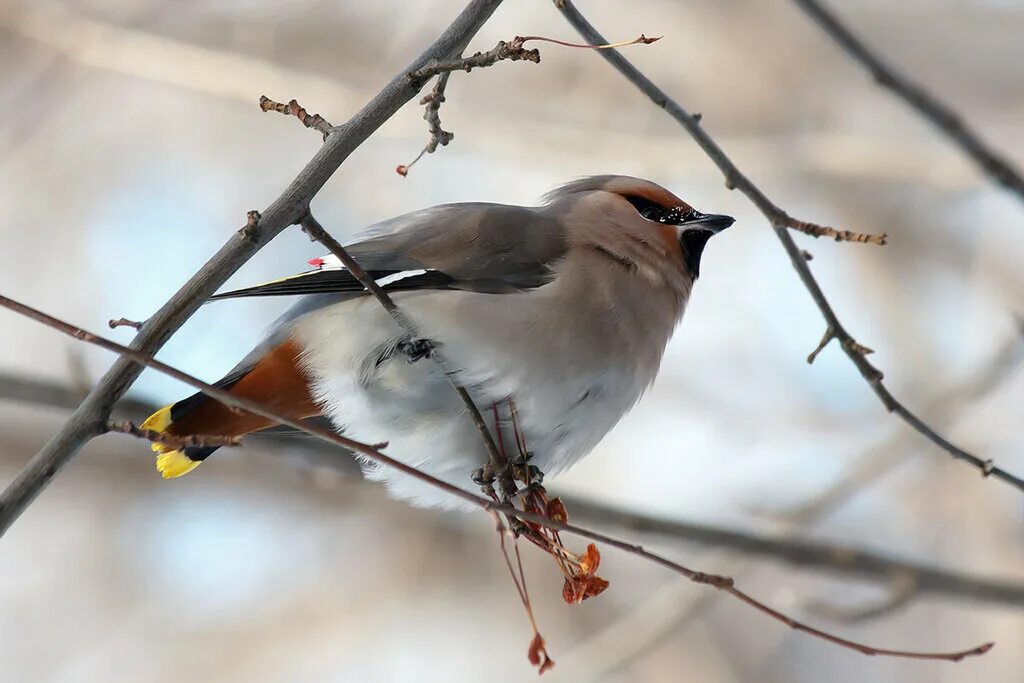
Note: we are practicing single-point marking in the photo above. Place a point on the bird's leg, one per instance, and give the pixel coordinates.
(415, 349)
(484, 478)
(534, 480)
(530, 475)
(581, 580)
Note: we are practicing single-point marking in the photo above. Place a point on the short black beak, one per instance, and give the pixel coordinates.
(711, 222)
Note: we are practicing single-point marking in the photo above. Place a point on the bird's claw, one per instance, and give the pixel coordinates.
(483, 476)
(520, 458)
(532, 476)
(415, 349)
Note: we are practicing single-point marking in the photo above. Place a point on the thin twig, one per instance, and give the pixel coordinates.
(498, 461)
(927, 105)
(894, 451)
(433, 101)
(512, 51)
(804, 554)
(314, 121)
(90, 419)
(438, 135)
(173, 440)
(722, 583)
(780, 222)
(825, 339)
(815, 230)
(640, 40)
(124, 322)
(537, 653)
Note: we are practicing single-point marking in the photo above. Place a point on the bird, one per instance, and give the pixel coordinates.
(554, 318)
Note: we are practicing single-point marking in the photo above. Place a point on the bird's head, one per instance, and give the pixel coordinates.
(637, 220)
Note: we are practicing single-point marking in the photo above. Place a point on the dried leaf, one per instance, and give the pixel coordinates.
(590, 560)
(577, 589)
(538, 655)
(556, 511)
(571, 592)
(595, 586)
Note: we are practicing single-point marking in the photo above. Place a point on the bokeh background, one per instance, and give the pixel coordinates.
(131, 145)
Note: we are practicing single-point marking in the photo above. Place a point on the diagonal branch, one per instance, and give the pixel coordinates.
(722, 583)
(780, 222)
(998, 168)
(805, 555)
(91, 417)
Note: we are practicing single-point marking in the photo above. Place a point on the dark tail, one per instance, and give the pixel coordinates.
(276, 380)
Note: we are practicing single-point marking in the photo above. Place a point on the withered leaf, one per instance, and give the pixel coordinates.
(590, 560)
(572, 592)
(556, 511)
(595, 586)
(538, 655)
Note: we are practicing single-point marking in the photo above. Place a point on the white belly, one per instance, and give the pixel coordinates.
(567, 397)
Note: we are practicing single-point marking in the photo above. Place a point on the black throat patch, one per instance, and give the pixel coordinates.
(692, 243)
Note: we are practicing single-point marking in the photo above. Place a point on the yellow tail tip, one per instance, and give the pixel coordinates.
(172, 464)
(158, 422)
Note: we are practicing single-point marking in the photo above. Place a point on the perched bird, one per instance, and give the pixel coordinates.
(555, 319)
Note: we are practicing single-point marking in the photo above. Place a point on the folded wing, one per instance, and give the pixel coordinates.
(478, 247)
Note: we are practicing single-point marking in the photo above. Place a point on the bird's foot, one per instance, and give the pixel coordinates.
(416, 349)
(520, 458)
(532, 476)
(484, 478)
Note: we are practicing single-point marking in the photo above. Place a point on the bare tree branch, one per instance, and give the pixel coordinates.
(124, 322)
(781, 222)
(894, 450)
(314, 121)
(1000, 169)
(54, 395)
(643, 629)
(173, 440)
(91, 417)
(817, 556)
(512, 51)
(842, 560)
(438, 135)
(722, 583)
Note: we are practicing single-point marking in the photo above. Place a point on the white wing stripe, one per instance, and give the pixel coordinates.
(395, 277)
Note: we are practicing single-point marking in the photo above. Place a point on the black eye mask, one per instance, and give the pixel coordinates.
(698, 227)
(661, 214)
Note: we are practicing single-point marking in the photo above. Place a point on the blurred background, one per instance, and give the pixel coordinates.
(131, 147)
